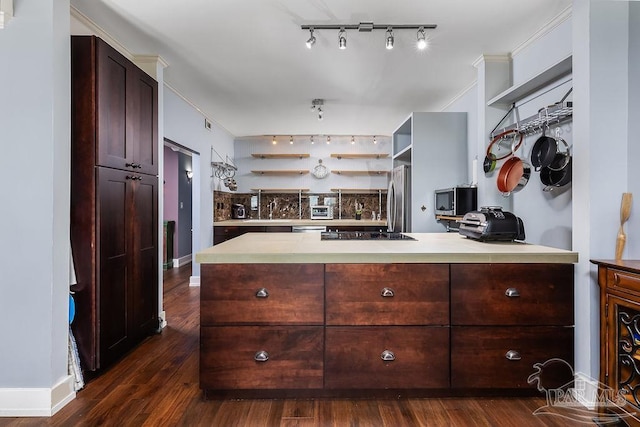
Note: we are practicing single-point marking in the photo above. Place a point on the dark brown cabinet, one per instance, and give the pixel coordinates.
(114, 202)
(382, 329)
(505, 318)
(620, 339)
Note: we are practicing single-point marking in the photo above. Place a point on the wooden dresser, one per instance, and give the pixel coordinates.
(620, 337)
(275, 330)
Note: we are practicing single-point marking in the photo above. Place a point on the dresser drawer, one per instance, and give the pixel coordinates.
(623, 280)
(354, 357)
(480, 356)
(228, 357)
(262, 294)
(387, 294)
(512, 294)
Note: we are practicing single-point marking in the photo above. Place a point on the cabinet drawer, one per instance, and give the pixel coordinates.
(354, 357)
(262, 294)
(623, 280)
(479, 356)
(416, 294)
(512, 294)
(228, 357)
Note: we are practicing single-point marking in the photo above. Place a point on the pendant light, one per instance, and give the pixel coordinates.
(342, 39)
(422, 41)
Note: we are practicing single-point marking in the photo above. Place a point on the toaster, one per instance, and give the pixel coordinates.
(491, 223)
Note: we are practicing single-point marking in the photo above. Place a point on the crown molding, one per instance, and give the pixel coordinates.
(151, 59)
(101, 32)
(491, 58)
(554, 23)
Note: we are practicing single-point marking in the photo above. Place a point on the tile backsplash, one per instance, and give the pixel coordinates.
(294, 206)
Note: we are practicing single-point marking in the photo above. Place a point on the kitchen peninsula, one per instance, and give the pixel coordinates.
(289, 314)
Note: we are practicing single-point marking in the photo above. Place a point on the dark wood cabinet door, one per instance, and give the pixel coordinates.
(512, 294)
(127, 112)
(354, 357)
(387, 294)
(262, 294)
(114, 291)
(113, 78)
(504, 357)
(144, 303)
(292, 358)
(143, 114)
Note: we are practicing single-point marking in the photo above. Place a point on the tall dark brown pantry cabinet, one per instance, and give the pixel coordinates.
(114, 202)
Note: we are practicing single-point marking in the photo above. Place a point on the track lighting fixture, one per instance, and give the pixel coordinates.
(273, 141)
(353, 140)
(389, 38)
(320, 117)
(328, 139)
(342, 39)
(291, 140)
(367, 27)
(375, 141)
(311, 139)
(312, 39)
(422, 40)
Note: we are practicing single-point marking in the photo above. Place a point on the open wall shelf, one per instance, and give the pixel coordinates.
(280, 156)
(280, 172)
(360, 156)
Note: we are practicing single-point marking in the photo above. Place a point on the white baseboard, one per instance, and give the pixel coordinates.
(179, 262)
(586, 390)
(36, 402)
(194, 281)
(163, 319)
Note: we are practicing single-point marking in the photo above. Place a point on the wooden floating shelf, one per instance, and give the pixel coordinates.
(280, 156)
(448, 218)
(359, 156)
(359, 190)
(281, 190)
(341, 172)
(281, 172)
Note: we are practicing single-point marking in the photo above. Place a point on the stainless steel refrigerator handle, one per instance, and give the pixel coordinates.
(391, 205)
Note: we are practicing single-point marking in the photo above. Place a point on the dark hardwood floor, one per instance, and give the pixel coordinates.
(157, 385)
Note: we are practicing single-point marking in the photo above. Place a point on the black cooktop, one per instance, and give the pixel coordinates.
(363, 235)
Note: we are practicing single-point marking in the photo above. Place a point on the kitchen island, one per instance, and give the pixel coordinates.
(289, 314)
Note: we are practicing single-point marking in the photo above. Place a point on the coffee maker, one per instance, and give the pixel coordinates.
(238, 211)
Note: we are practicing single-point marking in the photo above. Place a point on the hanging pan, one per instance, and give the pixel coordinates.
(543, 152)
(514, 174)
(496, 152)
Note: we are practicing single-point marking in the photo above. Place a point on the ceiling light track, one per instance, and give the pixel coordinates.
(367, 27)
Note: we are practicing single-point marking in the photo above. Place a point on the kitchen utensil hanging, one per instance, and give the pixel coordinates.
(514, 173)
(544, 151)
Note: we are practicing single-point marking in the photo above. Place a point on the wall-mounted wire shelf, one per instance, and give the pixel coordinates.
(546, 117)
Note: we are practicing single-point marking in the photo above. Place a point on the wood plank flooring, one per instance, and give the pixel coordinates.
(157, 385)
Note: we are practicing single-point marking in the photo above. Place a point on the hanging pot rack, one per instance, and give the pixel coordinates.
(555, 114)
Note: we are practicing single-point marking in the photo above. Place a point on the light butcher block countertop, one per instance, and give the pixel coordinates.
(298, 222)
(428, 248)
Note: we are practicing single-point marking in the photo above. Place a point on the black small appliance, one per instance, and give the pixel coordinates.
(491, 223)
(238, 211)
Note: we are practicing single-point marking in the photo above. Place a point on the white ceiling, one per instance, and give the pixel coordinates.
(245, 65)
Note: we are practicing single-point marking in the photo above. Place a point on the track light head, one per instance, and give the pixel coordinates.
(320, 114)
(291, 140)
(422, 41)
(342, 39)
(328, 139)
(312, 39)
(311, 139)
(389, 38)
(375, 141)
(353, 140)
(273, 141)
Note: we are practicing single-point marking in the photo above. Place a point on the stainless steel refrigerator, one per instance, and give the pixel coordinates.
(399, 200)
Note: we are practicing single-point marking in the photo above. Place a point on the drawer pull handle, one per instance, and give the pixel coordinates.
(387, 293)
(388, 356)
(512, 292)
(262, 293)
(261, 356)
(512, 355)
(616, 278)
